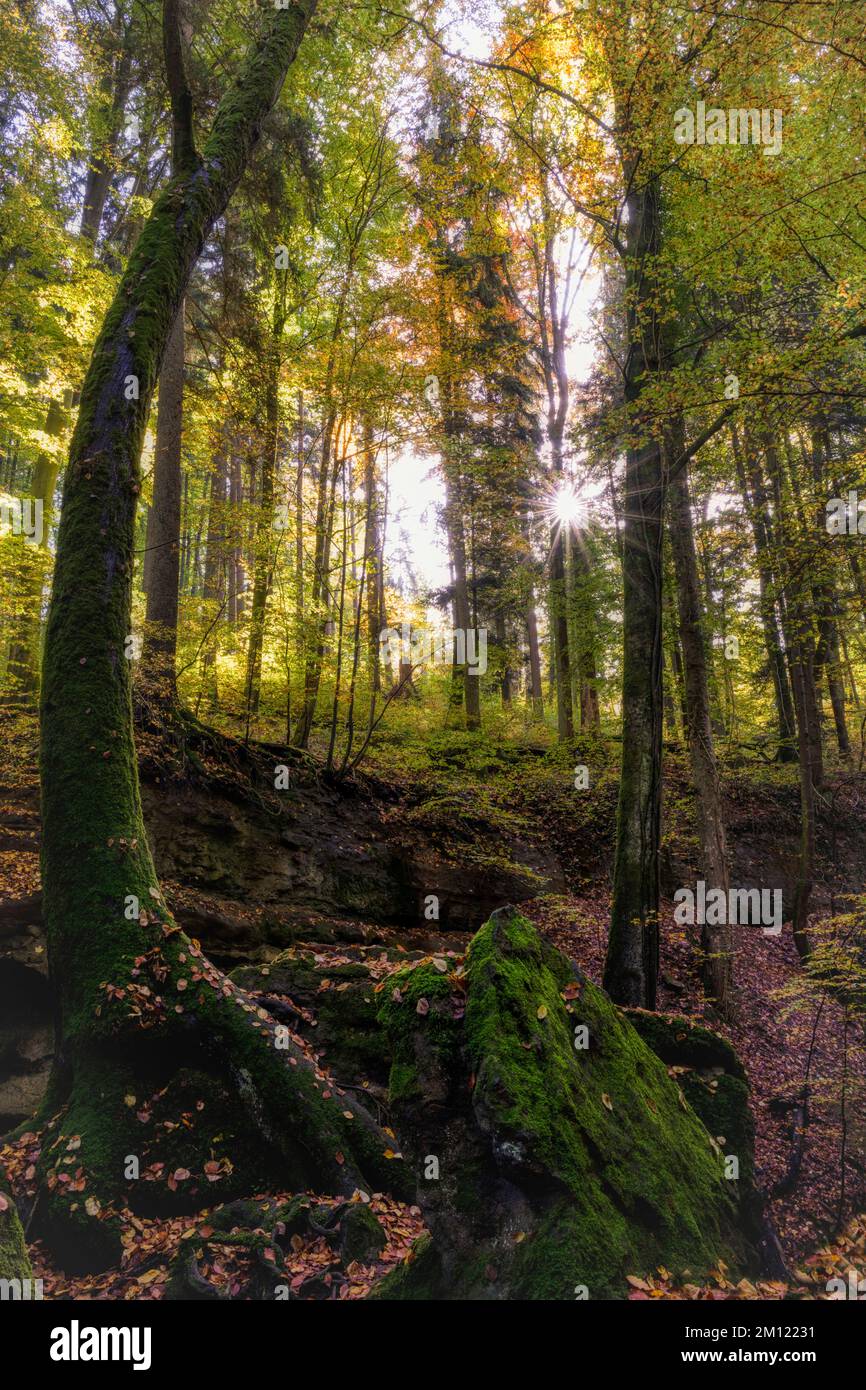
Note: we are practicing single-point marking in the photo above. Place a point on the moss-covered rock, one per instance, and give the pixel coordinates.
(14, 1260)
(334, 1006)
(417, 1279)
(361, 1235)
(713, 1080)
(554, 1153)
(680, 1042)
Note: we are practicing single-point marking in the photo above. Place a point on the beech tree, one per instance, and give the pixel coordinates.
(108, 929)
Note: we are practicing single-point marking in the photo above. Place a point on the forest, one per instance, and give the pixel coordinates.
(433, 651)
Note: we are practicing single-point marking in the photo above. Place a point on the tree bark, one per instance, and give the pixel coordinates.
(800, 628)
(263, 564)
(100, 166)
(631, 965)
(827, 653)
(464, 682)
(556, 375)
(715, 940)
(373, 561)
(536, 688)
(755, 502)
(214, 587)
(163, 526)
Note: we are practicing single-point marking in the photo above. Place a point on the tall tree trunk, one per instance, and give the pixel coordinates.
(96, 864)
(584, 607)
(263, 559)
(163, 526)
(373, 561)
(827, 654)
(299, 522)
(670, 711)
(755, 502)
(800, 644)
(236, 574)
(465, 687)
(22, 667)
(464, 681)
(631, 965)
(536, 688)
(800, 628)
(559, 633)
(716, 940)
(556, 421)
(214, 588)
(100, 165)
(801, 673)
(319, 606)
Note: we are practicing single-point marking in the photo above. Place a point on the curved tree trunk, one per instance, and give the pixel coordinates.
(132, 989)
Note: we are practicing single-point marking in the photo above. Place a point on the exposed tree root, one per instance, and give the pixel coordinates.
(171, 1006)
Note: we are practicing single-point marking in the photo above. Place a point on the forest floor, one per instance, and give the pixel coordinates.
(777, 1034)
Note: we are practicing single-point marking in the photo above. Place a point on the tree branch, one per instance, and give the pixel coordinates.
(700, 440)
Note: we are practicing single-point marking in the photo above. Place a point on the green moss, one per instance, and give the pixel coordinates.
(660, 1194)
(346, 1034)
(568, 1166)
(403, 1082)
(435, 1032)
(713, 1080)
(680, 1042)
(327, 1141)
(14, 1260)
(722, 1103)
(417, 1279)
(361, 1235)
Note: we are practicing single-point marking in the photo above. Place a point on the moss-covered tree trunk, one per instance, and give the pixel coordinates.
(134, 996)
